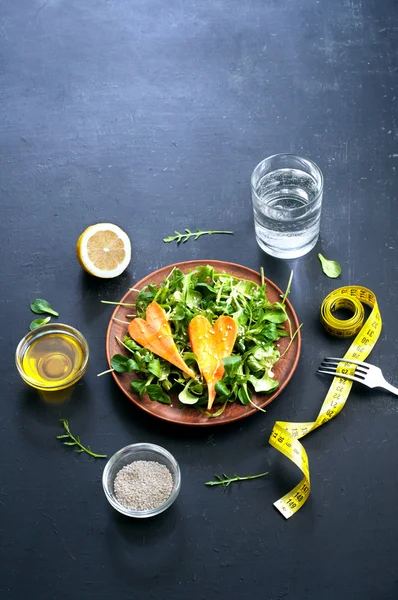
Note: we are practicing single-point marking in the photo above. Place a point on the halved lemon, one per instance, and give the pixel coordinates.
(104, 250)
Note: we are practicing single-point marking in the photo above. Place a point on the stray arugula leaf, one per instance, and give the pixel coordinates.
(40, 306)
(38, 323)
(225, 481)
(75, 441)
(331, 268)
(184, 237)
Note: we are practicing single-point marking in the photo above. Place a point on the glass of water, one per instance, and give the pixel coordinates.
(287, 195)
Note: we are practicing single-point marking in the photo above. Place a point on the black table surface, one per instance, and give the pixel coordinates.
(152, 115)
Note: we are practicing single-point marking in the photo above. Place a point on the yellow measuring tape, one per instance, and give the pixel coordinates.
(285, 436)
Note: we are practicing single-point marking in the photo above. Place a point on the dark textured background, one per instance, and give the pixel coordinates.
(152, 114)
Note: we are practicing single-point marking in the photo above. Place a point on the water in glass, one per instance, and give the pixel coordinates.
(287, 209)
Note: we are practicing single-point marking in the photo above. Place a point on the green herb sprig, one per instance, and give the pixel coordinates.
(40, 307)
(75, 441)
(225, 481)
(184, 237)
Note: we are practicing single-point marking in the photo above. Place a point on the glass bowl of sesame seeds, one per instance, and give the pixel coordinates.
(141, 480)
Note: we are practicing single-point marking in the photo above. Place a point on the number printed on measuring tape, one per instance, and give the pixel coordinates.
(285, 436)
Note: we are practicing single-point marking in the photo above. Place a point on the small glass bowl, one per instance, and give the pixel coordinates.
(46, 330)
(129, 454)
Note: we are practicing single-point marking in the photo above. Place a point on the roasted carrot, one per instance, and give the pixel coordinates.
(154, 334)
(211, 345)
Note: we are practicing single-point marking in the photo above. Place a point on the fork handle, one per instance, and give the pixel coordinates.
(389, 387)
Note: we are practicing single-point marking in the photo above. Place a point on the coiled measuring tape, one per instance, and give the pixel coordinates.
(285, 436)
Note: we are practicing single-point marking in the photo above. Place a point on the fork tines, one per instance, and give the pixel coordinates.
(347, 360)
(329, 366)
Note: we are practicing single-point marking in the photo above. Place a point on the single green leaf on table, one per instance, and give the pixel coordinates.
(38, 323)
(331, 268)
(184, 237)
(75, 441)
(225, 481)
(40, 306)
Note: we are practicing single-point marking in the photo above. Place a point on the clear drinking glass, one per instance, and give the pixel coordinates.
(287, 195)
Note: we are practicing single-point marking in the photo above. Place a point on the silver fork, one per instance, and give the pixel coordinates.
(364, 373)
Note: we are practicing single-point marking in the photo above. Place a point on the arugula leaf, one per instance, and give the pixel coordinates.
(184, 237)
(272, 333)
(178, 313)
(205, 273)
(331, 268)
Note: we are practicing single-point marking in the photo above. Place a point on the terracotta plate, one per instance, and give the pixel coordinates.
(176, 413)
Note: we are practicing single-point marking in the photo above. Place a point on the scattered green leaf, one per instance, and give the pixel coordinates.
(40, 306)
(38, 323)
(331, 268)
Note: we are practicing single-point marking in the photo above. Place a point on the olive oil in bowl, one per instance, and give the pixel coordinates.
(52, 357)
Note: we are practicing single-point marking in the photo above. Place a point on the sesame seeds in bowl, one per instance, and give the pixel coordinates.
(141, 480)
